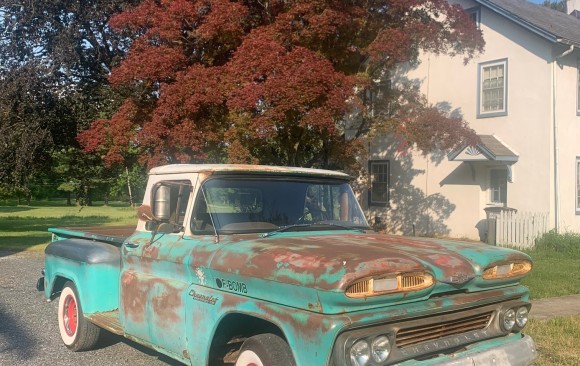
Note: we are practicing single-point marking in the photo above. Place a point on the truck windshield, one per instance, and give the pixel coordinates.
(231, 205)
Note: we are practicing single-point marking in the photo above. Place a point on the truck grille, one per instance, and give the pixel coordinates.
(411, 336)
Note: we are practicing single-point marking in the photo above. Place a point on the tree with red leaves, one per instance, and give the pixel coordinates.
(276, 81)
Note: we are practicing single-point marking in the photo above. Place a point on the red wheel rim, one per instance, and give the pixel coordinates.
(69, 315)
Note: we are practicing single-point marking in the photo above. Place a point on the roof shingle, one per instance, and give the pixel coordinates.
(553, 25)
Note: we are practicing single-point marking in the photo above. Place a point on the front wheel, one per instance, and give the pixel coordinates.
(77, 333)
(265, 350)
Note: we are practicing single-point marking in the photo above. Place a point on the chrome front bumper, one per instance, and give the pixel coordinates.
(521, 352)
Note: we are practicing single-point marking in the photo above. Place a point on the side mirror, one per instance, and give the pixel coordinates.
(159, 227)
(162, 203)
(151, 225)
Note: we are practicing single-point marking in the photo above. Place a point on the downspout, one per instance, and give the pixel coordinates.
(555, 131)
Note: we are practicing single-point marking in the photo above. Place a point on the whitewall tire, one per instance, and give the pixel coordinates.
(77, 333)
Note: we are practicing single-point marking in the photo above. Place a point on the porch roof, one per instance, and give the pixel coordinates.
(491, 148)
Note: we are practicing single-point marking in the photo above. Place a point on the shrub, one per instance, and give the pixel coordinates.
(568, 242)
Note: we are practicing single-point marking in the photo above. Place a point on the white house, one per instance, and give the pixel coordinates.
(522, 96)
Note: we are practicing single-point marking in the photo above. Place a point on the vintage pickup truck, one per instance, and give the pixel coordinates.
(273, 266)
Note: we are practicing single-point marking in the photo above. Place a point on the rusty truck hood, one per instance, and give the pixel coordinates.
(329, 262)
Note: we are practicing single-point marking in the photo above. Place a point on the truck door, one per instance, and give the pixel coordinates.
(154, 281)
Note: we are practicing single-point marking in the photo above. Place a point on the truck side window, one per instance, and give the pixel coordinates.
(173, 195)
(182, 198)
(201, 221)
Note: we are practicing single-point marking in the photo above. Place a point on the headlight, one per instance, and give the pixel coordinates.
(509, 320)
(380, 349)
(507, 270)
(522, 317)
(385, 284)
(360, 353)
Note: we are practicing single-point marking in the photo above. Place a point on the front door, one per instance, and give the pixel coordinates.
(154, 284)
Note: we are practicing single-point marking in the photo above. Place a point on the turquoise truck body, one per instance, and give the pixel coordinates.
(192, 293)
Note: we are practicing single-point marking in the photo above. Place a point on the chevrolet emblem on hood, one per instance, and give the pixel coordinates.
(458, 279)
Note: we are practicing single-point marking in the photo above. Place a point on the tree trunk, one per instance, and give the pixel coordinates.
(129, 187)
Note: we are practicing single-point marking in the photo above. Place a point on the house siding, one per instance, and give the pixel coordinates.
(453, 194)
(568, 139)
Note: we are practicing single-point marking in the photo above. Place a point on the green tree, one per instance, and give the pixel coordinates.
(30, 121)
(56, 56)
(560, 5)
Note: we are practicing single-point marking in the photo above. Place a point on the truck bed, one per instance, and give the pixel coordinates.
(109, 234)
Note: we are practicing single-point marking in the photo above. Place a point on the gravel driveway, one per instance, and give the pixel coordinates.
(29, 329)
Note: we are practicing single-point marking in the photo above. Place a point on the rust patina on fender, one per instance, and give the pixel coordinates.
(222, 254)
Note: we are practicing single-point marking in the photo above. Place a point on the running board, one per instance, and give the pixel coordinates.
(108, 320)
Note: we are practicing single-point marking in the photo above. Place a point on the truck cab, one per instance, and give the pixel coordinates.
(261, 265)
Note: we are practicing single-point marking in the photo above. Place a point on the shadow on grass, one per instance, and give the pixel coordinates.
(59, 203)
(27, 224)
(15, 209)
(16, 242)
(34, 230)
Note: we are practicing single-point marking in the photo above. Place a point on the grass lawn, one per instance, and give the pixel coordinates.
(25, 227)
(556, 266)
(557, 340)
(554, 274)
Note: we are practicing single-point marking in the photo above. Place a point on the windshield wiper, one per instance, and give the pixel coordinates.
(340, 226)
(283, 228)
(287, 227)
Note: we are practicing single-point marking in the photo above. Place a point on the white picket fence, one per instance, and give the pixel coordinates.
(520, 229)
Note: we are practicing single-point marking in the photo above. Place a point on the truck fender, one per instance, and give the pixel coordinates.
(85, 251)
(93, 267)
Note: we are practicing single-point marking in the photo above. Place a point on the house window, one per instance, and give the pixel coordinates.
(577, 185)
(475, 15)
(498, 186)
(379, 182)
(492, 89)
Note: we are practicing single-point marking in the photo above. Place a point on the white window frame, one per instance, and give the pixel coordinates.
(578, 87)
(577, 186)
(492, 189)
(383, 179)
(482, 67)
(475, 14)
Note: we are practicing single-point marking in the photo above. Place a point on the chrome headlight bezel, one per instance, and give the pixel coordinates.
(508, 320)
(514, 318)
(360, 349)
(374, 349)
(522, 317)
(381, 348)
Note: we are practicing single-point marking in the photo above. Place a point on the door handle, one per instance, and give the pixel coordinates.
(129, 244)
